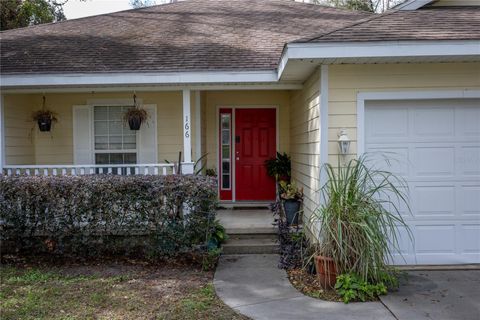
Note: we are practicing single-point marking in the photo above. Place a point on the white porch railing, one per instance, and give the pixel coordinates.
(77, 170)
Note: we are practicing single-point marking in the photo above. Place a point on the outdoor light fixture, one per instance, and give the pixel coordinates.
(343, 142)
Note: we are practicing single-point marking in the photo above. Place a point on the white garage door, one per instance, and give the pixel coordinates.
(437, 145)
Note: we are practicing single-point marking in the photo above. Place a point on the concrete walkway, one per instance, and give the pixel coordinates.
(254, 286)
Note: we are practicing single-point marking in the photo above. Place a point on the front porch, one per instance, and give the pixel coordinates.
(182, 134)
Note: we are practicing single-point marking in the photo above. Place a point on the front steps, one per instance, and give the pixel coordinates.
(251, 242)
(250, 230)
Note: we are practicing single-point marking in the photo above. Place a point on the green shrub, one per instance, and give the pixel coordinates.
(94, 215)
(351, 287)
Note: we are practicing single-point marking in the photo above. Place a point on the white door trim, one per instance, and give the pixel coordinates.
(217, 137)
(362, 97)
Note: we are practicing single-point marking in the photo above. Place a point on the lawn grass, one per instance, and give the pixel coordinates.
(110, 291)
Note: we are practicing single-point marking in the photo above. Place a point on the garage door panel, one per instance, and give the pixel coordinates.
(376, 127)
(439, 151)
(467, 122)
(423, 126)
(436, 239)
(434, 161)
(434, 201)
(468, 160)
(470, 237)
(398, 158)
(468, 199)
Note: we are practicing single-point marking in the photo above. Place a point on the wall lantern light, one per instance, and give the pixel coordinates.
(343, 142)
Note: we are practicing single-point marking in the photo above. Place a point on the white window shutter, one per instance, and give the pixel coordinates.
(147, 137)
(83, 134)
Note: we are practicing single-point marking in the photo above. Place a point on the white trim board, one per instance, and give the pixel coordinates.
(362, 97)
(378, 49)
(106, 79)
(413, 4)
(323, 124)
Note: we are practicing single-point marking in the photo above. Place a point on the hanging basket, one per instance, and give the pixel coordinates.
(134, 123)
(135, 117)
(45, 124)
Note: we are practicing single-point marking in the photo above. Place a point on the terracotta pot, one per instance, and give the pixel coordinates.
(326, 272)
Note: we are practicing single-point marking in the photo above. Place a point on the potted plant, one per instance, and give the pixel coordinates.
(279, 167)
(292, 198)
(135, 116)
(358, 221)
(44, 118)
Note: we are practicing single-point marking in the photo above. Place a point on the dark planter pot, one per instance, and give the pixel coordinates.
(292, 210)
(134, 123)
(44, 124)
(326, 272)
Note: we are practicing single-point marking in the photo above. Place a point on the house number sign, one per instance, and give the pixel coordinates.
(187, 127)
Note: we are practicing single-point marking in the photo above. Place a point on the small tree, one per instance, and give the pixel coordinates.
(24, 13)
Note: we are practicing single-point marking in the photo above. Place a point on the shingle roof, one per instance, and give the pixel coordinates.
(183, 36)
(428, 23)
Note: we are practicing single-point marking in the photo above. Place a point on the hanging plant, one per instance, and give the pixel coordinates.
(44, 118)
(135, 116)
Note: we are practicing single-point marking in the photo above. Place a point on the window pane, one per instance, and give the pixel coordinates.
(129, 142)
(225, 121)
(101, 113)
(101, 127)
(225, 137)
(101, 142)
(116, 113)
(225, 182)
(116, 158)
(130, 158)
(102, 158)
(115, 127)
(226, 152)
(115, 142)
(225, 167)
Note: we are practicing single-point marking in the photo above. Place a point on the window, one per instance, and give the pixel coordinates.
(226, 147)
(114, 143)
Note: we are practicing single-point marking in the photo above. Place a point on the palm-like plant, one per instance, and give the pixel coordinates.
(359, 218)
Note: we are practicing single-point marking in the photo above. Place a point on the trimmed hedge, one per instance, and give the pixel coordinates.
(95, 215)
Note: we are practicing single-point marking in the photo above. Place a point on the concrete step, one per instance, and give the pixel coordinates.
(251, 246)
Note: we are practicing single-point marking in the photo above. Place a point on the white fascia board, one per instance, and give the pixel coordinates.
(106, 79)
(378, 49)
(413, 4)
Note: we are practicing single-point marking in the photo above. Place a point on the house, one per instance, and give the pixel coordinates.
(240, 80)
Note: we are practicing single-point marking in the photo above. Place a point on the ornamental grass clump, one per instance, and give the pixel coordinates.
(359, 219)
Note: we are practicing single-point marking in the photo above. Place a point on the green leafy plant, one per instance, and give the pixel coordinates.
(211, 172)
(359, 218)
(289, 191)
(134, 116)
(210, 259)
(279, 167)
(351, 287)
(44, 114)
(217, 236)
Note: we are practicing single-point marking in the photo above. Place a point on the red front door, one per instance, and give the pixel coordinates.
(255, 142)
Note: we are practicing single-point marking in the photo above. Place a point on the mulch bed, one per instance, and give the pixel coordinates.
(309, 285)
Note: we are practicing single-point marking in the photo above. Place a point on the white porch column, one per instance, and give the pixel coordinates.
(198, 128)
(2, 135)
(187, 164)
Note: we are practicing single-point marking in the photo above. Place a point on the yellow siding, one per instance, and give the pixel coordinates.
(19, 129)
(346, 81)
(305, 141)
(56, 147)
(215, 99)
(456, 3)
